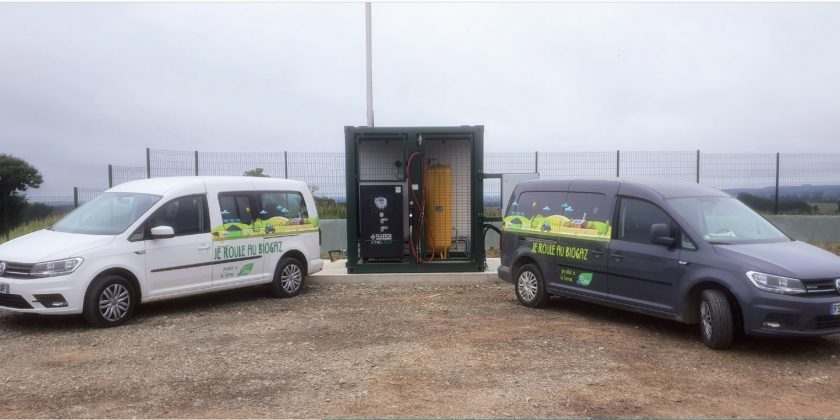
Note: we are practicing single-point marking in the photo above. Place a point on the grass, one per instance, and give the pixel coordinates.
(31, 226)
(834, 247)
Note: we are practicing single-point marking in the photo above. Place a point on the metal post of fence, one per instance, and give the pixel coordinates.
(698, 166)
(148, 163)
(536, 162)
(286, 164)
(75, 197)
(196, 163)
(617, 163)
(776, 202)
(110, 175)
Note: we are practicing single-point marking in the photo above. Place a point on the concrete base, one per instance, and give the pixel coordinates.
(336, 273)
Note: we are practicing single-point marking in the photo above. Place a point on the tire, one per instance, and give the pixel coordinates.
(717, 326)
(110, 301)
(288, 278)
(529, 286)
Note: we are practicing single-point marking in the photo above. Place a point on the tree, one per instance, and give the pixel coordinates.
(16, 176)
(256, 172)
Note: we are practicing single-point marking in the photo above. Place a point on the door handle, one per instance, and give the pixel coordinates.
(597, 253)
(617, 256)
(202, 247)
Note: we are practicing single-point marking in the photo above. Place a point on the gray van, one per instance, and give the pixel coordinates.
(685, 252)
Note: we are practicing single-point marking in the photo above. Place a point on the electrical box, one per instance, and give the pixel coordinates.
(415, 199)
(381, 221)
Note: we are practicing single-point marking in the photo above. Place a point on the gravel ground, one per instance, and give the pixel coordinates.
(407, 350)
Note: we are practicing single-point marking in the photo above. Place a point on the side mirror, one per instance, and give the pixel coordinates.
(660, 234)
(162, 232)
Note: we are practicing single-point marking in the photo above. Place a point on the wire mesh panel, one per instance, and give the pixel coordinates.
(553, 165)
(509, 163)
(456, 154)
(809, 168)
(57, 201)
(121, 174)
(88, 194)
(738, 170)
(492, 197)
(273, 164)
(670, 166)
(171, 163)
(323, 172)
(381, 160)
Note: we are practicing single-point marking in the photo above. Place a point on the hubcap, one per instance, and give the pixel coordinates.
(527, 285)
(114, 302)
(706, 318)
(291, 278)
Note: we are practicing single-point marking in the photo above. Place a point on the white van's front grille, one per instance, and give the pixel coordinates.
(17, 270)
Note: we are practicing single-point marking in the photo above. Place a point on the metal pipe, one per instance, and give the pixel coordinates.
(369, 65)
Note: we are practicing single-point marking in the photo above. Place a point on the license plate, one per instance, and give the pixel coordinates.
(835, 308)
(4, 288)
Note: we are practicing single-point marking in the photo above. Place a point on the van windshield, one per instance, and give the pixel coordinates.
(109, 214)
(726, 220)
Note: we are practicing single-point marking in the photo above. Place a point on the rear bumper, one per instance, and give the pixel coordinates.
(315, 266)
(505, 274)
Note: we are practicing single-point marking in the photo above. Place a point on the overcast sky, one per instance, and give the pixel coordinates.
(84, 85)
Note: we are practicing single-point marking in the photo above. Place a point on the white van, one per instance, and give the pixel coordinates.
(162, 238)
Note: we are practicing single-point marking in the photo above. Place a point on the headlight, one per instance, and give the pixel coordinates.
(776, 284)
(56, 268)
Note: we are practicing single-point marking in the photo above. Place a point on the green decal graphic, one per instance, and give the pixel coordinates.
(246, 269)
(269, 228)
(558, 225)
(584, 279)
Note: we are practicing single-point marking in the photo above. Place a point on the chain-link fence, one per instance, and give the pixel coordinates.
(770, 182)
(117, 174)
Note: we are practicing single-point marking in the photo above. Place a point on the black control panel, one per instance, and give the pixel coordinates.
(381, 221)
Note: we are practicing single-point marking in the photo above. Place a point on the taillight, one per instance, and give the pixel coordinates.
(320, 237)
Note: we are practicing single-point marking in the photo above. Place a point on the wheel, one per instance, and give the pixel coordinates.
(110, 301)
(530, 289)
(717, 325)
(288, 278)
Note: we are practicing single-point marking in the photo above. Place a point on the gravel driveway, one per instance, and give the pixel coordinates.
(407, 350)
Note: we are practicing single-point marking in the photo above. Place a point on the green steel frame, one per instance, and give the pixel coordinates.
(408, 136)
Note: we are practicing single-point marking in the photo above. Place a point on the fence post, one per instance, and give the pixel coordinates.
(776, 201)
(618, 163)
(196, 163)
(536, 162)
(286, 164)
(148, 163)
(698, 166)
(110, 175)
(75, 197)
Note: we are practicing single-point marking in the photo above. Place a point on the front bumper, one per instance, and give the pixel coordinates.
(771, 314)
(21, 296)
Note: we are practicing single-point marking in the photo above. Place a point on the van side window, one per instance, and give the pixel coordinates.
(288, 204)
(186, 216)
(236, 208)
(635, 219)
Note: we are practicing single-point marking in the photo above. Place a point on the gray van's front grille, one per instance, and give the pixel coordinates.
(17, 270)
(821, 286)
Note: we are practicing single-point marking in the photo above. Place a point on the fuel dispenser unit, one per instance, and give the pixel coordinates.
(414, 199)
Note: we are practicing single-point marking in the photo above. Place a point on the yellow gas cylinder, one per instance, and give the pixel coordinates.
(438, 213)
